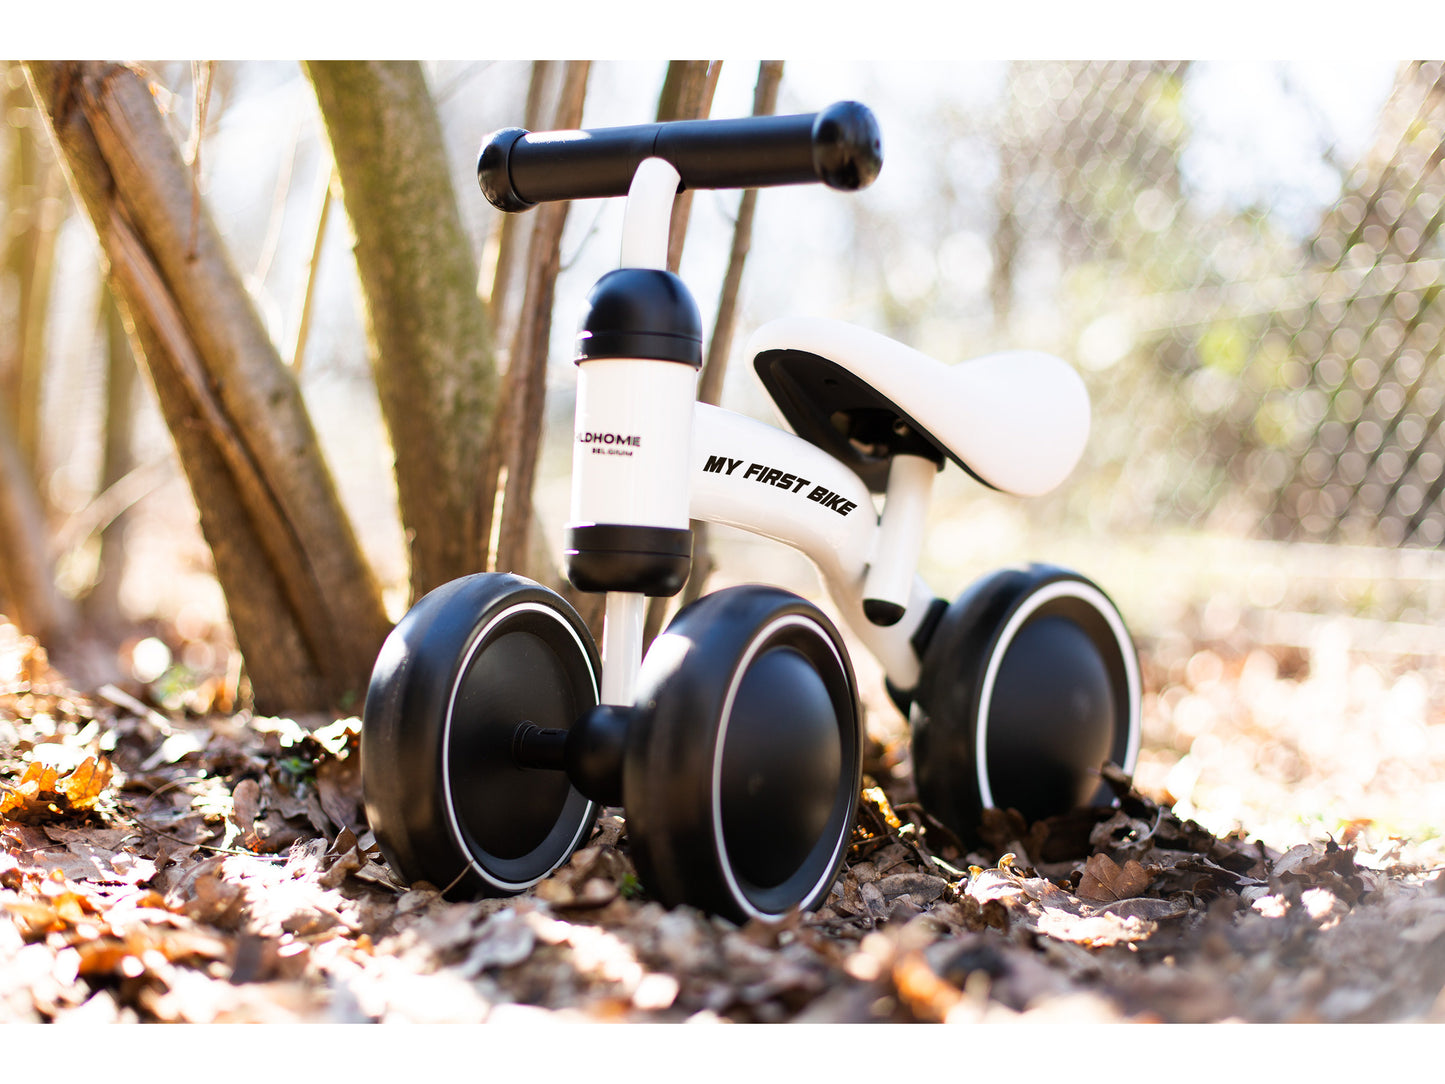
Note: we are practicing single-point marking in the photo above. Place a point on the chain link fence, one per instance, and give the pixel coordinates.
(1263, 364)
(1299, 379)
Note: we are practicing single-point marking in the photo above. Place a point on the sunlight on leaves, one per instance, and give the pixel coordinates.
(44, 793)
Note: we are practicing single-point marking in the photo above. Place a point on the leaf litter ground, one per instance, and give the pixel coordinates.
(212, 868)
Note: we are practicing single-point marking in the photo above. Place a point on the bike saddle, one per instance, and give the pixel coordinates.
(1016, 421)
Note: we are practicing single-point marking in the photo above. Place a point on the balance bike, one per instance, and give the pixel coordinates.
(494, 730)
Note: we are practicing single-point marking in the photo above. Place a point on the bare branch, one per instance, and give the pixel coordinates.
(687, 94)
(26, 578)
(525, 397)
(710, 385)
(323, 219)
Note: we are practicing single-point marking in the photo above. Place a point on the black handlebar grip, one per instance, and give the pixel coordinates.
(839, 146)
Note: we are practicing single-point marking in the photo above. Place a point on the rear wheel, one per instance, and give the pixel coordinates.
(1029, 684)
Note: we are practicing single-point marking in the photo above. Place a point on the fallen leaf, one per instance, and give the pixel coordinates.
(922, 887)
(44, 793)
(1093, 931)
(338, 785)
(1322, 865)
(345, 858)
(26, 798)
(245, 808)
(1104, 880)
(504, 940)
(927, 996)
(87, 783)
(874, 798)
(1143, 907)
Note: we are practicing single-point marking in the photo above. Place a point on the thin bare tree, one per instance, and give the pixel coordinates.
(27, 579)
(714, 369)
(35, 210)
(304, 604)
(102, 604)
(524, 391)
(431, 336)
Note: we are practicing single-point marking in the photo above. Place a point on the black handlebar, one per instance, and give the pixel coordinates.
(839, 146)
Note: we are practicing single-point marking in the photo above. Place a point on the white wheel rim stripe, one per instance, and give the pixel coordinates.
(456, 829)
(1059, 589)
(727, 867)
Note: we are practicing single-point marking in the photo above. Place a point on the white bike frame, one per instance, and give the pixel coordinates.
(646, 452)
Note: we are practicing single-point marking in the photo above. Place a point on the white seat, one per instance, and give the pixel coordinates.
(1017, 420)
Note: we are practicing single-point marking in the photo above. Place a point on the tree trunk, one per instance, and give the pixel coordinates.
(508, 254)
(35, 213)
(765, 102)
(524, 391)
(102, 604)
(687, 92)
(305, 606)
(27, 584)
(710, 384)
(508, 270)
(430, 334)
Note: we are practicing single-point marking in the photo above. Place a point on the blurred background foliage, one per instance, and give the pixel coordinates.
(1244, 259)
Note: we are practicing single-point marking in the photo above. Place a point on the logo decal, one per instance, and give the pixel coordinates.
(774, 476)
(610, 443)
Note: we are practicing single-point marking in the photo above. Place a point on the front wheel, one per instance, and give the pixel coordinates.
(1029, 684)
(468, 665)
(744, 760)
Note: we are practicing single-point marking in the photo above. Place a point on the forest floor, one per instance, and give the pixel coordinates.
(1276, 858)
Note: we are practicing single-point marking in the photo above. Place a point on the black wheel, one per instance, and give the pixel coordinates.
(468, 664)
(1029, 684)
(744, 760)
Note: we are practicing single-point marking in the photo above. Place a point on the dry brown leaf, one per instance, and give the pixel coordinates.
(25, 799)
(43, 793)
(57, 908)
(11, 875)
(994, 884)
(245, 809)
(245, 803)
(922, 887)
(1322, 865)
(345, 858)
(1093, 931)
(1104, 880)
(33, 916)
(1143, 907)
(87, 782)
(123, 953)
(875, 799)
(338, 785)
(919, 987)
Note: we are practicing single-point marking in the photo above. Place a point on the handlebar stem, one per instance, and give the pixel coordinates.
(647, 221)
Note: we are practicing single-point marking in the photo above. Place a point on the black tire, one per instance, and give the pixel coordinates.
(744, 760)
(467, 664)
(1028, 685)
